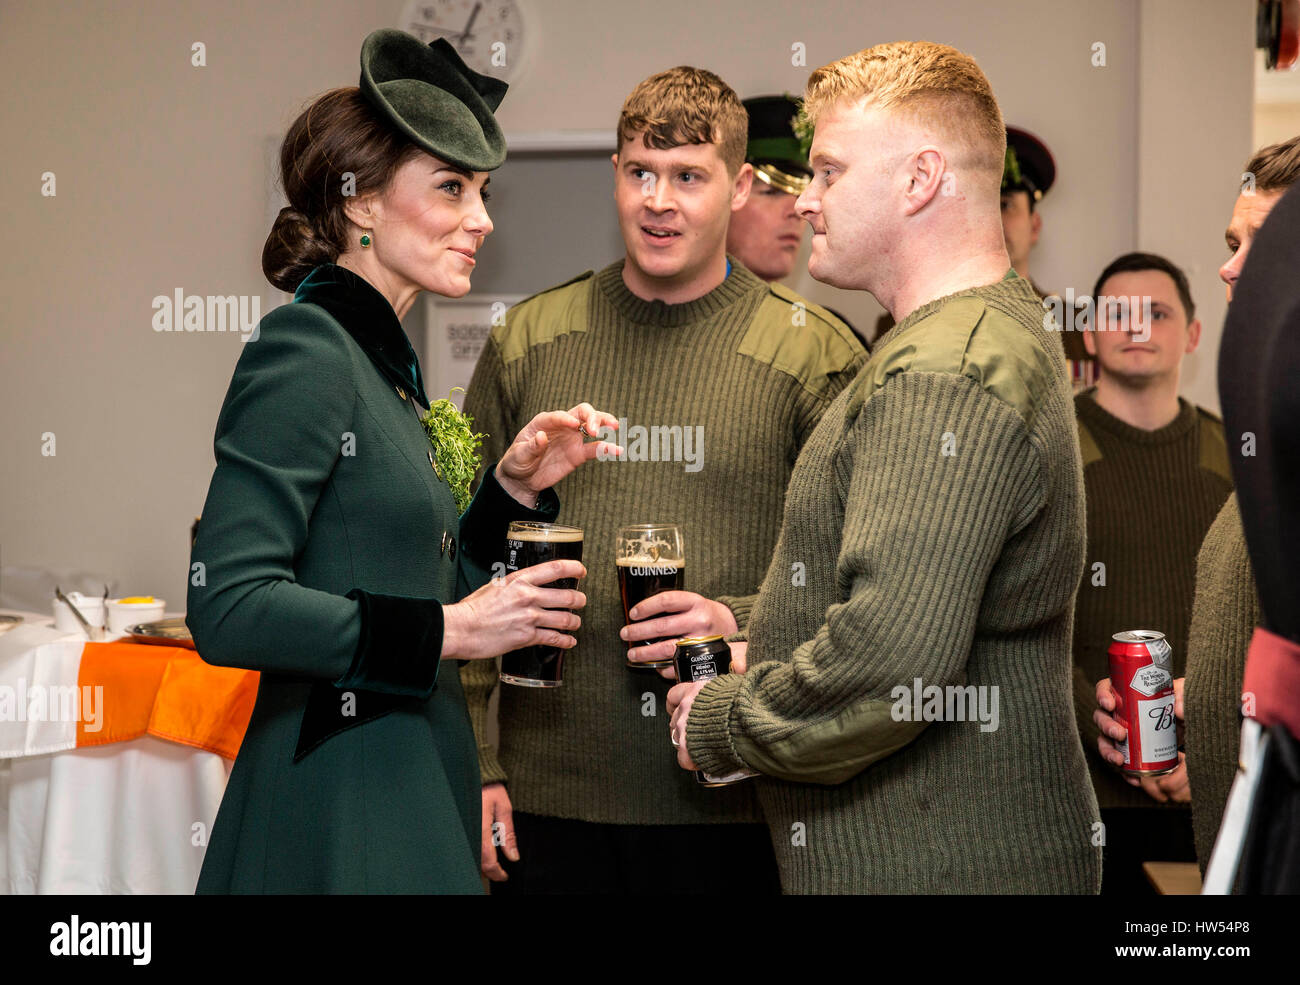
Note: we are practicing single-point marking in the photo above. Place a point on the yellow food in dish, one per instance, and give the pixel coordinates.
(137, 600)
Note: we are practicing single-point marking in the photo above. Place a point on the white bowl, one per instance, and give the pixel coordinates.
(123, 614)
(92, 607)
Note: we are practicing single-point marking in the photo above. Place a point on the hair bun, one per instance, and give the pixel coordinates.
(294, 248)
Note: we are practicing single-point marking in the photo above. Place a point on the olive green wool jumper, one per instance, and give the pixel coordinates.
(1224, 616)
(739, 378)
(933, 539)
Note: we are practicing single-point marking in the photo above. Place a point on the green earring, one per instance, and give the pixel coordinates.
(365, 239)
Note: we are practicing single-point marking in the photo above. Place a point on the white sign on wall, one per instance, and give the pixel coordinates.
(455, 330)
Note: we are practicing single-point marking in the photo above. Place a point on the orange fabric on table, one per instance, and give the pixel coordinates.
(168, 692)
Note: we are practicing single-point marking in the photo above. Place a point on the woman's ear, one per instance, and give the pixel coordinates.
(362, 210)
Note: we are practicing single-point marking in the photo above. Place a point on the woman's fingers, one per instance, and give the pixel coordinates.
(549, 571)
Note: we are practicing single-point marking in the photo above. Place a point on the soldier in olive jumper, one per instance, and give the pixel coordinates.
(907, 696)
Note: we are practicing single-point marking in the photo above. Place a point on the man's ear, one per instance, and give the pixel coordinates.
(742, 186)
(613, 158)
(924, 178)
(1193, 335)
(1089, 342)
(1035, 227)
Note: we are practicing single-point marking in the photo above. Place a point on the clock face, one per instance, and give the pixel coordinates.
(488, 34)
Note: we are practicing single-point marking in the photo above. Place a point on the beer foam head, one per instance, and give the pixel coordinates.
(547, 533)
(645, 560)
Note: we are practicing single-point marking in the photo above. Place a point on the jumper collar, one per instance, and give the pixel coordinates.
(366, 315)
(737, 283)
(1094, 413)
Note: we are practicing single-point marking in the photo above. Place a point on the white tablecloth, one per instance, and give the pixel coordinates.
(129, 817)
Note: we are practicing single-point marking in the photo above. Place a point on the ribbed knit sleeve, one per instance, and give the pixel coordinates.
(1224, 616)
(922, 531)
(487, 401)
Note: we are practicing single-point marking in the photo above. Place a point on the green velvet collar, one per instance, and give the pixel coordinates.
(367, 316)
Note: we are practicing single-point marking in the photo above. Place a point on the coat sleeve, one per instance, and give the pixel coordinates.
(921, 535)
(278, 439)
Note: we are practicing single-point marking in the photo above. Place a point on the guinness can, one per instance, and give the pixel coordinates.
(1141, 672)
(699, 658)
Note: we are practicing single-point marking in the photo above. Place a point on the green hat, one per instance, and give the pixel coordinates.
(431, 96)
(776, 151)
(1028, 166)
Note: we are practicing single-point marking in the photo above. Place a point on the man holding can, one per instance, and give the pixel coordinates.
(1226, 609)
(908, 687)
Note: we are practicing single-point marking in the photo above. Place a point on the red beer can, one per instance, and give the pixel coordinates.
(1141, 672)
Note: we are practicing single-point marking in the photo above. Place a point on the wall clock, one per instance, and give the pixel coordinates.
(490, 35)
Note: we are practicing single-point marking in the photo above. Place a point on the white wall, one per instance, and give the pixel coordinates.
(1195, 133)
(161, 184)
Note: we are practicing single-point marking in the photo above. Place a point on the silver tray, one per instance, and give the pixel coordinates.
(164, 632)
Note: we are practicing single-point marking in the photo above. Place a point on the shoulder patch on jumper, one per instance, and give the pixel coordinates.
(1088, 446)
(801, 339)
(544, 317)
(967, 338)
(1212, 445)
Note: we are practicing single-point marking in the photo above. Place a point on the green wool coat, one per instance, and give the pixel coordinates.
(327, 547)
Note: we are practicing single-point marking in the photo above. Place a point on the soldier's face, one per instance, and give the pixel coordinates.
(1142, 328)
(766, 234)
(1020, 227)
(1247, 216)
(851, 202)
(673, 208)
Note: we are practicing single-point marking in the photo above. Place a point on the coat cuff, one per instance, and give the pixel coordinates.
(400, 648)
(708, 727)
(485, 521)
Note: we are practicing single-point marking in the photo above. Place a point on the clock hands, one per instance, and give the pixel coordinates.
(468, 33)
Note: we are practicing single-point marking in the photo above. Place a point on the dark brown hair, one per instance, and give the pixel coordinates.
(1277, 166)
(1135, 262)
(338, 134)
(686, 105)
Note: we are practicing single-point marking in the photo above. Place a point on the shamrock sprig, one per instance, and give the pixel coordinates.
(455, 446)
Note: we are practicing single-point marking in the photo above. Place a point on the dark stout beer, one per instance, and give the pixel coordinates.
(529, 544)
(639, 578)
(649, 560)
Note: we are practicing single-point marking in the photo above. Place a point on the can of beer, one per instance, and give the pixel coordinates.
(699, 658)
(1141, 672)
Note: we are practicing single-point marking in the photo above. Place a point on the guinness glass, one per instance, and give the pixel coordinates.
(649, 559)
(527, 544)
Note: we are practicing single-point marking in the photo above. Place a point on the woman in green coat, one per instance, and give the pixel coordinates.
(332, 550)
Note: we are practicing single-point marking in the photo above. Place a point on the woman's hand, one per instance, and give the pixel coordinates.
(513, 612)
(551, 446)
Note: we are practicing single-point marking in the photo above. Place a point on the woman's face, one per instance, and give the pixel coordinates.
(428, 225)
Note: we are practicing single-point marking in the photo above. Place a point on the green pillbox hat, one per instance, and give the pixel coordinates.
(429, 94)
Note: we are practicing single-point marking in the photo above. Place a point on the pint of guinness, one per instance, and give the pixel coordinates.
(529, 543)
(649, 560)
